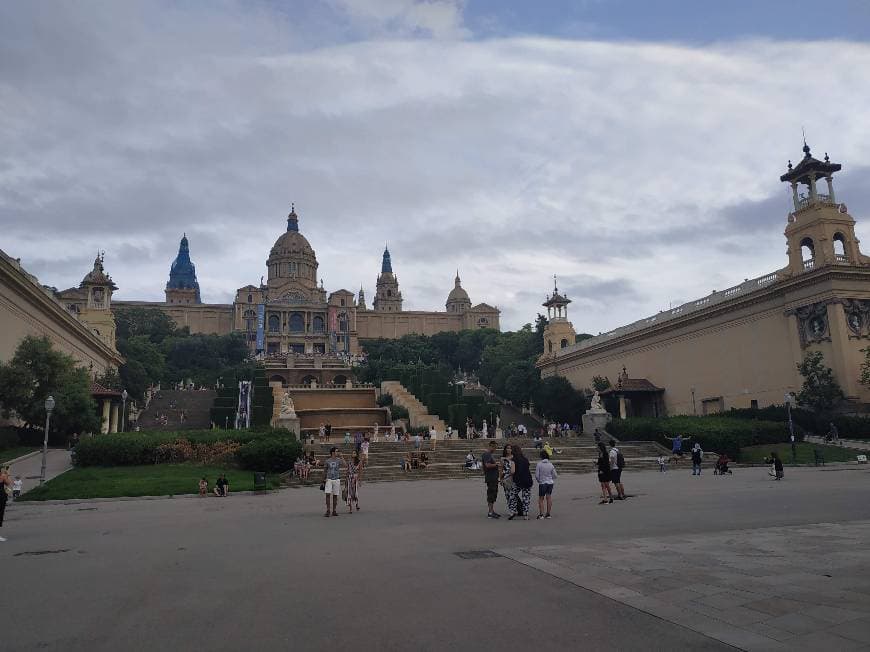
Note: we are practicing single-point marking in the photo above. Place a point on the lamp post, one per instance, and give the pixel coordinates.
(124, 396)
(49, 406)
(789, 397)
(694, 410)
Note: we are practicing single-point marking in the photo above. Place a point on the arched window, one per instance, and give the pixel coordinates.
(563, 343)
(250, 298)
(808, 252)
(339, 380)
(297, 322)
(389, 293)
(277, 379)
(550, 347)
(274, 323)
(840, 247)
(318, 324)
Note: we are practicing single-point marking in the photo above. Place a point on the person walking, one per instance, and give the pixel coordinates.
(522, 481)
(507, 479)
(5, 492)
(490, 477)
(433, 437)
(545, 474)
(603, 464)
(617, 463)
(776, 470)
(332, 482)
(354, 471)
(697, 458)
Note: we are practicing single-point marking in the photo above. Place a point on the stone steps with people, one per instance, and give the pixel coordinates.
(168, 406)
(575, 455)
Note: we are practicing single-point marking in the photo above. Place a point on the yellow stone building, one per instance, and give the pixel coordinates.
(292, 313)
(740, 347)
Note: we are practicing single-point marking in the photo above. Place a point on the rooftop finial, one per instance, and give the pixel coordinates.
(827, 158)
(555, 287)
(293, 219)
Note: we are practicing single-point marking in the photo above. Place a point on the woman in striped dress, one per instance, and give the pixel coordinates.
(353, 478)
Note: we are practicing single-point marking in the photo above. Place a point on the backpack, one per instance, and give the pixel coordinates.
(620, 460)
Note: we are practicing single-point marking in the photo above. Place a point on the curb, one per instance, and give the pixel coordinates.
(117, 499)
(22, 458)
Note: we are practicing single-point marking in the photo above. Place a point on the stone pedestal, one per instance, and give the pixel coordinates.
(593, 420)
(290, 423)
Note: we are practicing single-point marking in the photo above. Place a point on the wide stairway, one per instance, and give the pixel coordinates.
(417, 412)
(447, 461)
(194, 403)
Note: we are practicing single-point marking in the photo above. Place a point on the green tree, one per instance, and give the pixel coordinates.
(156, 325)
(37, 371)
(559, 401)
(865, 368)
(600, 383)
(820, 391)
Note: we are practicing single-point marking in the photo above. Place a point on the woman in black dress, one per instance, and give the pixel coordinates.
(522, 482)
(604, 474)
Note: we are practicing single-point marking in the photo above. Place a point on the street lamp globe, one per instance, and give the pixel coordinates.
(49, 404)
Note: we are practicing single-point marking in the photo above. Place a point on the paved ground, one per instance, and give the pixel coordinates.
(687, 563)
(56, 462)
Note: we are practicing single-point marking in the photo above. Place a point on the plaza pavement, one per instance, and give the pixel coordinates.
(687, 563)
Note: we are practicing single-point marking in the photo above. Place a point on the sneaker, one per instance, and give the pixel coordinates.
(496, 515)
(609, 501)
(2, 539)
(327, 514)
(334, 513)
(548, 516)
(540, 516)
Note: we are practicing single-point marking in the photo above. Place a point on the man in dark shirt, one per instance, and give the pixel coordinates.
(490, 475)
(221, 487)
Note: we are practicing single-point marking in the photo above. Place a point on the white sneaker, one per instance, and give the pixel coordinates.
(2, 539)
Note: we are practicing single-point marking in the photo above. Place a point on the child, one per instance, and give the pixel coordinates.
(203, 487)
(16, 487)
(663, 464)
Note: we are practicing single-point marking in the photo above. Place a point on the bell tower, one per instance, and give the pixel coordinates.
(97, 287)
(820, 231)
(559, 332)
(388, 298)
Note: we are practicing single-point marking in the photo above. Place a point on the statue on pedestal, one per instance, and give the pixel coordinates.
(287, 409)
(596, 403)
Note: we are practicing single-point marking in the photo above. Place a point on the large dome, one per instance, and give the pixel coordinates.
(289, 243)
(458, 294)
(291, 257)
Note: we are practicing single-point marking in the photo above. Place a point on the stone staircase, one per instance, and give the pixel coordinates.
(447, 461)
(418, 416)
(195, 404)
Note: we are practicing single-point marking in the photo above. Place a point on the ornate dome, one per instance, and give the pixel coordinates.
(457, 300)
(98, 276)
(291, 257)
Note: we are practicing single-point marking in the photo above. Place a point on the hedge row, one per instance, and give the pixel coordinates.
(715, 433)
(141, 448)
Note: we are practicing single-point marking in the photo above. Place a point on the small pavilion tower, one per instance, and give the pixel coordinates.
(182, 286)
(361, 300)
(819, 232)
(97, 288)
(559, 332)
(457, 300)
(388, 298)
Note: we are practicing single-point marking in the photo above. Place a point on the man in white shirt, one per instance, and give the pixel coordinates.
(615, 457)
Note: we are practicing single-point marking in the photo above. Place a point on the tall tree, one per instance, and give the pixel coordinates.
(820, 391)
(37, 371)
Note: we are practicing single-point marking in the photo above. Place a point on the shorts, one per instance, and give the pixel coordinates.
(616, 475)
(491, 490)
(332, 487)
(545, 490)
(604, 476)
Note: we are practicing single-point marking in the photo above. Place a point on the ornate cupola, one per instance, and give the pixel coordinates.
(457, 300)
(182, 286)
(820, 231)
(292, 263)
(361, 300)
(97, 288)
(388, 298)
(559, 332)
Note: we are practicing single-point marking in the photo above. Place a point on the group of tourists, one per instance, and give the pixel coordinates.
(513, 473)
(610, 464)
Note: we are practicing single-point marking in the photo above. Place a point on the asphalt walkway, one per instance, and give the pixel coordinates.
(29, 468)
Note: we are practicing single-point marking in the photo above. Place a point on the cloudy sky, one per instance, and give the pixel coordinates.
(631, 148)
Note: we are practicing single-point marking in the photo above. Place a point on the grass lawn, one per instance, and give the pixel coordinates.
(8, 454)
(756, 454)
(152, 480)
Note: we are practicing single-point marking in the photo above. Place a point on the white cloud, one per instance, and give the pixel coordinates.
(624, 168)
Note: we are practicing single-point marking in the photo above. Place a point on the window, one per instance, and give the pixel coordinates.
(297, 322)
(342, 302)
(320, 348)
(753, 404)
(318, 324)
(297, 348)
(563, 343)
(550, 347)
(840, 247)
(389, 293)
(273, 347)
(712, 405)
(274, 324)
(808, 250)
(250, 298)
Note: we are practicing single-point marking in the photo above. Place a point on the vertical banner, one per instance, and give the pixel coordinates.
(243, 412)
(333, 327)
(261, 325)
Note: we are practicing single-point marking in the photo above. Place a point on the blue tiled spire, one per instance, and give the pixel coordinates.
(293, 219)
(182, 274)
(386, 265)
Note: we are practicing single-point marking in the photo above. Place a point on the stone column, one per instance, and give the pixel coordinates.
(846, 374)
(813, 194)
(830, 188)
(623, 412)
(104, 424)
(794, 194)
(113, 419)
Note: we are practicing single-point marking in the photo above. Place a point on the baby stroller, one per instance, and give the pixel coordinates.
(722, 466)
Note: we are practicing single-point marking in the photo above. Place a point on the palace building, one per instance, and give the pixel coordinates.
(739, 347)
(292, 312)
